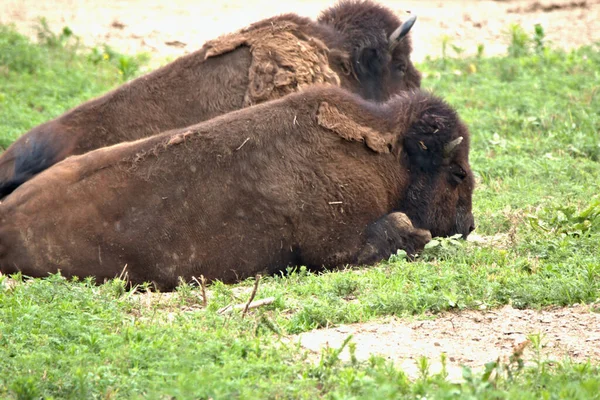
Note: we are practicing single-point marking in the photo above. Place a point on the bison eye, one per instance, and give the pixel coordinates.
(458, 174)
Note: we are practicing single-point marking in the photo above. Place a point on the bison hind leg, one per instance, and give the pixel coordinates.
(390, 233)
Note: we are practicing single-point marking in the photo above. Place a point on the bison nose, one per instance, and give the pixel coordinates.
(471, 228)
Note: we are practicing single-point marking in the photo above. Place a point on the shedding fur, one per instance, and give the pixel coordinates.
(284, 59)
(179, 138)
(331, 118)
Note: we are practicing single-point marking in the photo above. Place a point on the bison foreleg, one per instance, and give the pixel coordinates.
(388, 234)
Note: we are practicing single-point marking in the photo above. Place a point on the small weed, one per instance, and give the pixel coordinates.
(115, 287)
(567, 220)
(441, 247)
(186, 293)
(445, 42)
(519, 41)
(345, 287)
(539, 37)
(25, 388)
(480, 50)
(47, 37)
(521, 44)
(330, 358)
(127, 66)
(423, 365)
(399, 257)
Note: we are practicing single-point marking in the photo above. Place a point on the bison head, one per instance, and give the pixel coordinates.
(371, 51)
(435, 151)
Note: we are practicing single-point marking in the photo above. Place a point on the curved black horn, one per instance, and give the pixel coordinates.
(402, 30)
(449, 148)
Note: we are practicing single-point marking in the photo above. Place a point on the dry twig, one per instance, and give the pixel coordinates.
(202, 284)
(256, 281)
(124, 275)
(254, 304)
(243, 143)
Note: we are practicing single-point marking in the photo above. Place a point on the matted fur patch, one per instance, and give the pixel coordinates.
(284, 59)
(331, 118)
(179, 138)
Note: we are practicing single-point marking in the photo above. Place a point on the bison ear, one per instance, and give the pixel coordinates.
(341, 59)
(331, 118)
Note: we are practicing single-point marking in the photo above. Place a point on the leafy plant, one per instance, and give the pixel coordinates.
(567, 220)
(539, 38)
(440, 247)
(48, 38)
(127, 66)
(519, 41)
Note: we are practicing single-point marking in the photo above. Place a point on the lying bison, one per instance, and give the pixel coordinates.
(359, 45)
(320, 178)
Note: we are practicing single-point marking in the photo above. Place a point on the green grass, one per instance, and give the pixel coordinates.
(38, 83)
(77, 340)
(535, 121)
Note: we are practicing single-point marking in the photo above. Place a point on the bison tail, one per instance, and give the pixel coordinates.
(31, 156)
(10, 185)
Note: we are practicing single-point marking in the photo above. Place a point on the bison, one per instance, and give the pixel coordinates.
(320, 178)
(359, 45)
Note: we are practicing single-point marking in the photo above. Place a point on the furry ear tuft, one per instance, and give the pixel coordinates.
(330, 117)
(342, 60)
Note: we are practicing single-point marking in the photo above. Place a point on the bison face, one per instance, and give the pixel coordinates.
(372, 51)
(449, 208)
(440, 188)
(403, 75)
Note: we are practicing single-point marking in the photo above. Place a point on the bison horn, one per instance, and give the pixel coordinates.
(402, 30)
(450, 147)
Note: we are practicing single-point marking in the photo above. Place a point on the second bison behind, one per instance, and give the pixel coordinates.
(320, 178)
(358, 45)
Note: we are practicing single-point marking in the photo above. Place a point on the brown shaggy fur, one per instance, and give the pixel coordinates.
(284, 59)
(287, 182)
(267, 60)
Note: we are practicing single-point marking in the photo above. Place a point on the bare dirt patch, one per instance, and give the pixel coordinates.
(170, 29)
(537, 6)
(470, 338)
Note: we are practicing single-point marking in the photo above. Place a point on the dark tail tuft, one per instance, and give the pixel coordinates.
(9, 186)
(32, 157)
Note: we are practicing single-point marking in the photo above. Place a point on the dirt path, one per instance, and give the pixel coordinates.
(179, 26)
(470, 338)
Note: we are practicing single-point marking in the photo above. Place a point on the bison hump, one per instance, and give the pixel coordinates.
(284, 59)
